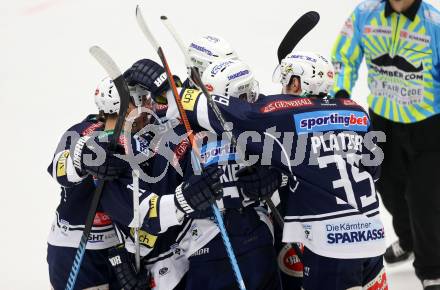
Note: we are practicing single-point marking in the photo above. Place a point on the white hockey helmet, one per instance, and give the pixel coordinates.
(208, 49)
(315, 72)
(107, 97)
(231, 78)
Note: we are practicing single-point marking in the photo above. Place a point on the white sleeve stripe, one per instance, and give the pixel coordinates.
(276, 199)
(172, 111)
(119, 234)
(77, 152)
(72, 175)
(144, 207)
(167, 212)
(322, 215)
(54, 164)
(181, 199)
(202, 113)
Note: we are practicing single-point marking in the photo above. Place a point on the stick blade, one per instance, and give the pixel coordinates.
(144, 28)
(105, 61)
(112, 69)
(115, 74)
(298, 30)
(183, 47)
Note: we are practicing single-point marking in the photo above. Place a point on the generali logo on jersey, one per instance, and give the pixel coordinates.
(285, 105)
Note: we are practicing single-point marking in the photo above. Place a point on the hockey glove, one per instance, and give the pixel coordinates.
(195, 196)
(123, 267)
(151, 76)
(258, 182)
(91, 155)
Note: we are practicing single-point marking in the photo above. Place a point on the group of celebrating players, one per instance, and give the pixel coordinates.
(313, 155)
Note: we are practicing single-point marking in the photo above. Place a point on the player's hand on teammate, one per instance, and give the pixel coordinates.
(195, 196)
(94, 156)
(258, 182)
(122, 264)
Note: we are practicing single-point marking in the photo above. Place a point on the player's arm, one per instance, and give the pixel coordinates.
(193, 101)
(238, 112)
(347, 56)
(191, 199)
(158, 212)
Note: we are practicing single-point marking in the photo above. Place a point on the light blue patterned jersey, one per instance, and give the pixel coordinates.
(402, 56)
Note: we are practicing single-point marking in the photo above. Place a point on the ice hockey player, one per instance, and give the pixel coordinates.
(333, 208)
(158, 211)
(77, 187)
(246, 220)
(218, 84)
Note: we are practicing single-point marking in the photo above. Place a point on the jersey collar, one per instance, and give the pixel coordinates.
(410, 13)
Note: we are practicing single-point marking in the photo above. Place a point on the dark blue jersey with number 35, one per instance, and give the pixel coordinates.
(327, 148)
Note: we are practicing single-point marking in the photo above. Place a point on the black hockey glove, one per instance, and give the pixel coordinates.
(258, 182)
(122, 264)
(195, 196)
(91, 155)
(150, 75)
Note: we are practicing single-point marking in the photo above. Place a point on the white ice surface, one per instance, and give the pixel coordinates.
(47, 80)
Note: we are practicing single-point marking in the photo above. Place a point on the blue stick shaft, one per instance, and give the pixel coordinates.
(76, 264)
(115, 73)
(228, 246)
(226, 242)
(143, 26)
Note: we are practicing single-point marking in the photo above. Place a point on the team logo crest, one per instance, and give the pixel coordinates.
(289, 261)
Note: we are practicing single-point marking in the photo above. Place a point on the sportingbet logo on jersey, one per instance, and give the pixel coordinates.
(321, 121)
(217, 152)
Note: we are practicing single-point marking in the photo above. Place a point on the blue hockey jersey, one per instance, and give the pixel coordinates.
(76, 195)
(160, 232)
(117, 200)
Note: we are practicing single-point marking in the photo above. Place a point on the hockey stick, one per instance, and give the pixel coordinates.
(218, 218)
(135, 223)
(197, 79)
(298, 30)
(115, 74)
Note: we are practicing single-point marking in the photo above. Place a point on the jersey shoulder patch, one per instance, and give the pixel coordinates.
(189, 98)
(348, 103)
